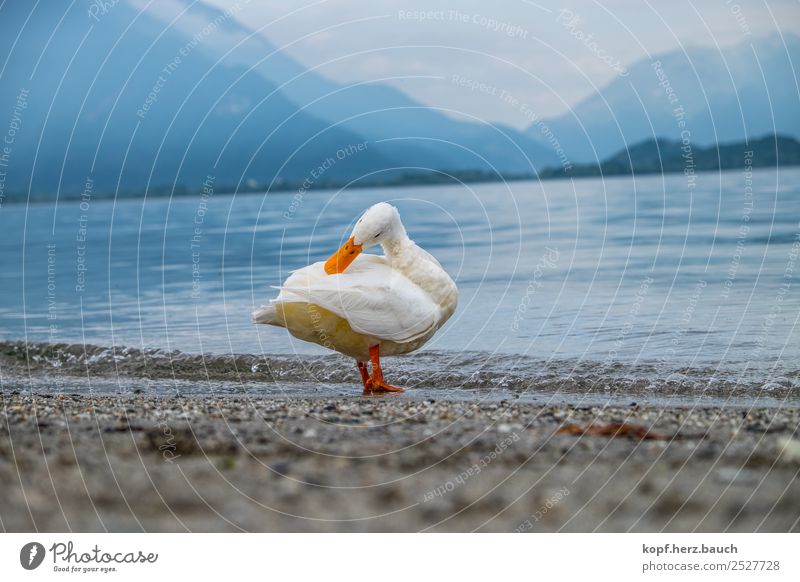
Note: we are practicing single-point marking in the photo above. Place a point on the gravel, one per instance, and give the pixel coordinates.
(148, 462)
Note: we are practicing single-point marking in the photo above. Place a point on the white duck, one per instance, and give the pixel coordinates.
(365, 306)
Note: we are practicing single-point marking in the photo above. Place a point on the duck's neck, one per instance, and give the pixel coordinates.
(401, 251)
(421, 268)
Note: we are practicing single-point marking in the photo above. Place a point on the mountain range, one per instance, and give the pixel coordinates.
(661, 155)
(160, 99)
(725, 95)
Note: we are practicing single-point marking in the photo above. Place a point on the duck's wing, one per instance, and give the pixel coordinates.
(314, 274)
(374, 299)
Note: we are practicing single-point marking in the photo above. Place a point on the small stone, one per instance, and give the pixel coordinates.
(789, 450)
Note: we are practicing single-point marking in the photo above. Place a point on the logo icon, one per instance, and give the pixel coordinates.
(31, 555)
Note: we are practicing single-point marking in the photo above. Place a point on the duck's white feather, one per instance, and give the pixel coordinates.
(375, 299)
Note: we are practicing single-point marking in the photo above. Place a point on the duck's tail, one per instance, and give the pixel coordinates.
(266, 314)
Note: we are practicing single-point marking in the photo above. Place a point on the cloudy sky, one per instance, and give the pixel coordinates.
(487, 59)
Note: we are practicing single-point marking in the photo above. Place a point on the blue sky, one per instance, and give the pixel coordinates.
(548, 55)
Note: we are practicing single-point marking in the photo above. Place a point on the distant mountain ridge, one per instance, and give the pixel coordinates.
(654, 156)
(139, 103)
(406, 129)
(136, 105)
(158, 100)
(726, 95)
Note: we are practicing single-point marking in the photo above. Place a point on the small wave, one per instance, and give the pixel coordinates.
(429, 370)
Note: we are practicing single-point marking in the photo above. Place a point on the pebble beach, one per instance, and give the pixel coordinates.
(138, 462)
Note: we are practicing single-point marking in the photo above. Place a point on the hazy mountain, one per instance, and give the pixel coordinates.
(655, 156)
(745, 90)
(180, 91)
(149, 98)
(125, 100)
(424, 137)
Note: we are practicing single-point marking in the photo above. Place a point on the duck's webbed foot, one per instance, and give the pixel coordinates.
(374, 384)
(377, 388)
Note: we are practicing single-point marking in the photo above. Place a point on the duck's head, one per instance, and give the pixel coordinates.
(379, 224)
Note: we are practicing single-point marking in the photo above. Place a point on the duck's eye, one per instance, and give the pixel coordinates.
(379, 234)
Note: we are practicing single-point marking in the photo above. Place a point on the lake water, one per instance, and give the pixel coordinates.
(614, 271)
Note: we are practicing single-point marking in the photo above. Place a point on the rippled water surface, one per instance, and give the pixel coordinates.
(606, 271)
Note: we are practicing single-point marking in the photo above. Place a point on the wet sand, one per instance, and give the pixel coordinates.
(146, 462)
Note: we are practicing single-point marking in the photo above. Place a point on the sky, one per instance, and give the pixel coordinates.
(486, 59)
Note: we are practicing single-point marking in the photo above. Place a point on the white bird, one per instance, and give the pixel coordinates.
(365, 306)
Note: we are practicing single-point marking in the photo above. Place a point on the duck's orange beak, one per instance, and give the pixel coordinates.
(342, 258)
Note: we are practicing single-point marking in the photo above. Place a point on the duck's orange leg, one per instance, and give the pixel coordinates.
(375, 384)
(362, 368)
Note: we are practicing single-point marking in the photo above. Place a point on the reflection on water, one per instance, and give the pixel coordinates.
(604, 271)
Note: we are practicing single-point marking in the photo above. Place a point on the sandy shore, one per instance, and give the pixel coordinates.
(132, 462)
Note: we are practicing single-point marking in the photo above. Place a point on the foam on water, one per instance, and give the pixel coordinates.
(441, 374)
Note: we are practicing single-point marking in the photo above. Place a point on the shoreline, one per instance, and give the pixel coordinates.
(20, 199)
(621, 397)
(76, 368)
